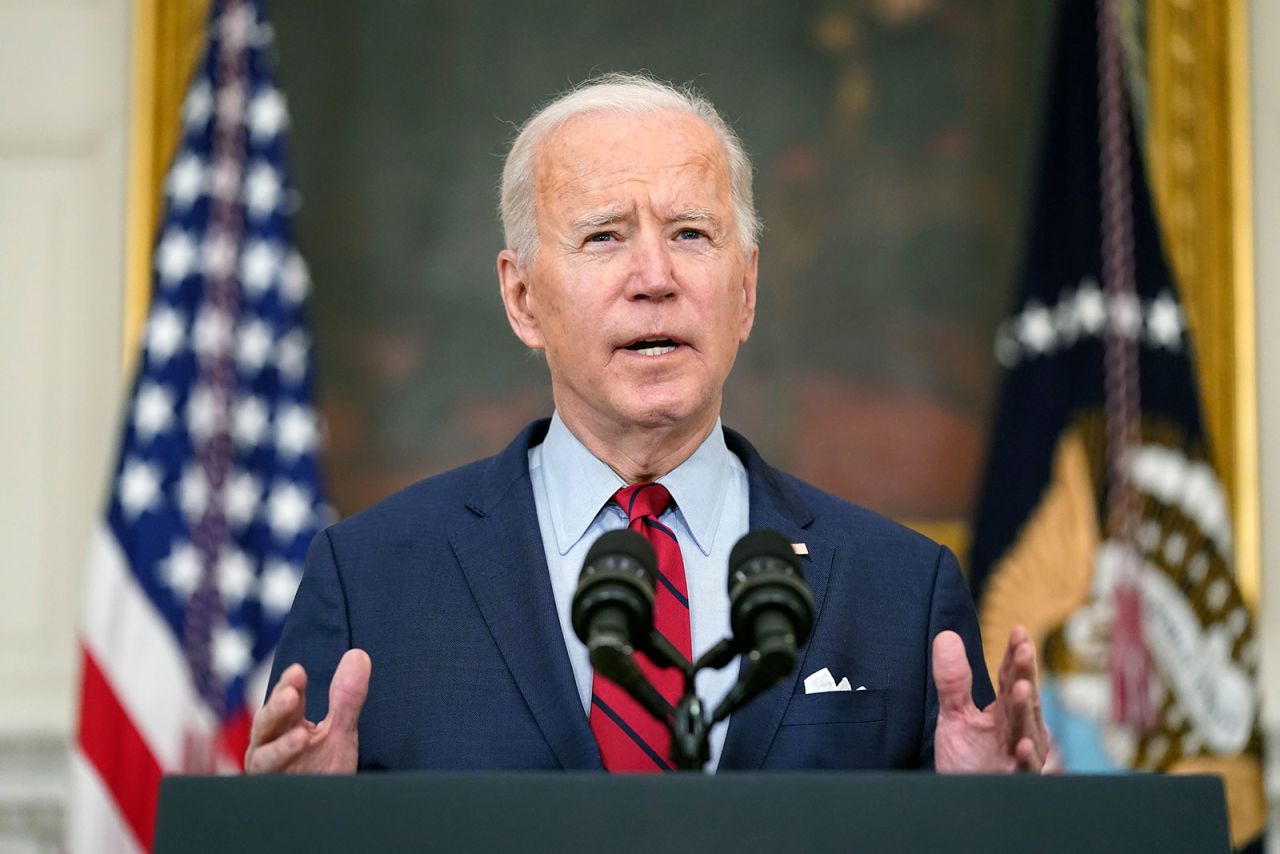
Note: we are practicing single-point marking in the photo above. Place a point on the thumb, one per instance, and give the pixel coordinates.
(348, 689)
(951, 673)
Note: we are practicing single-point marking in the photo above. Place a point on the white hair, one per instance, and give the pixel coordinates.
(627, 94)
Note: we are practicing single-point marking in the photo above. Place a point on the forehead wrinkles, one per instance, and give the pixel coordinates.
(593, 159)
(679, 185)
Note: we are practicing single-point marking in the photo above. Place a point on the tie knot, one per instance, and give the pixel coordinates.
(643, 499)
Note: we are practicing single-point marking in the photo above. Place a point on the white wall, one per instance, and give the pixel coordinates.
(63, 122)
(1264, 60)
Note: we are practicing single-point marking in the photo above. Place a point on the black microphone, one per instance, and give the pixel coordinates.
(612, 611)
(770, 610)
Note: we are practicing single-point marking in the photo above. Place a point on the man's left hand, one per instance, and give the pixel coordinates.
(1008, 735)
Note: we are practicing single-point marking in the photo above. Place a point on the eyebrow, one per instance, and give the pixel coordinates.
(597, 220)
(694, 215)
(591, 221)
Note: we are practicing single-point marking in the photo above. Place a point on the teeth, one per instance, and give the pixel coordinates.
(655, 351)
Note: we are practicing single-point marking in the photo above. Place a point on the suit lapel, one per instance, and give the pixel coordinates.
(773, 504)
(501, 554)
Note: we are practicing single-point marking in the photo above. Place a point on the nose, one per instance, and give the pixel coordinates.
(651, 275)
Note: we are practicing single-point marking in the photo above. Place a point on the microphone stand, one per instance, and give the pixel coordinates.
(771, 613)
(688, 722)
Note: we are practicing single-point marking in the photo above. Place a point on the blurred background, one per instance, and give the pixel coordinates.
(893, 141)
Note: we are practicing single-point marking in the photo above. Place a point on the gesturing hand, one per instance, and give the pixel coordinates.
(283, 740)
(1008, 735)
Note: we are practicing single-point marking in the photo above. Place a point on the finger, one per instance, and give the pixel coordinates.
(951, 673)
(348, 690)
(1027, 757)
(294, 675)
(1027, 670)
(1023, 721)
(1022, 672)
(1023, 660)
(276, 755)
(1017, 702)
(1017, 637)
(285, 707)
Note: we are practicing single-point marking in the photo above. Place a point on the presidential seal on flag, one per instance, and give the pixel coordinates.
(1102, 526)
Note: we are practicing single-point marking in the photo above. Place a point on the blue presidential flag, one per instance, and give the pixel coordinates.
(1102, 525)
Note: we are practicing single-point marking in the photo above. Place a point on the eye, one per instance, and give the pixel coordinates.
(601, 237)
(690, 234)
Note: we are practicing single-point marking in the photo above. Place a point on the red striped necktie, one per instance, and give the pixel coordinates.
(632, 740)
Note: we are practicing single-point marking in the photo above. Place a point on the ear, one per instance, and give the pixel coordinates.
(513, 282)
(749, 293)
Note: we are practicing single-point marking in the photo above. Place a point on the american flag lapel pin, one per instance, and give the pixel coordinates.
(800, 548)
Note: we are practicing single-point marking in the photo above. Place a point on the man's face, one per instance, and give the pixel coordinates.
(640, 292)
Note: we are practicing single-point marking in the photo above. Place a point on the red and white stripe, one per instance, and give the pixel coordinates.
(140, 717)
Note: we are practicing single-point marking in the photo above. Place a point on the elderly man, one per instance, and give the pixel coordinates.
(433, 630)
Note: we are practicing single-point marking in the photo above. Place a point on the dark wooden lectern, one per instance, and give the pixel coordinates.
(775, 813)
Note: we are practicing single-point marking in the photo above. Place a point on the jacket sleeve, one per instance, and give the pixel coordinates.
(952, 608)
(318, 630)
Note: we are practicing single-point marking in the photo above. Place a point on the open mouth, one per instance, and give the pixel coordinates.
(653, 346)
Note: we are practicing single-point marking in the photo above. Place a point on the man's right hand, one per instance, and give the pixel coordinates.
(284, 741)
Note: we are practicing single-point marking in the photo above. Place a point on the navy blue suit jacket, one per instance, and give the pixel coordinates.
(445, 585)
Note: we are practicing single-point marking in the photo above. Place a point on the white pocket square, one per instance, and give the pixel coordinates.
(823, 682)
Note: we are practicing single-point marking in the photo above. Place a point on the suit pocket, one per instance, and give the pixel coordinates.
(835, 707)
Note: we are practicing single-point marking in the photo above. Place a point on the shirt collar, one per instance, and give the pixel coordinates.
(578, 485)
(700, 485)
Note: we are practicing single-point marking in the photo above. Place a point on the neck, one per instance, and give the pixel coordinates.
(640, 452)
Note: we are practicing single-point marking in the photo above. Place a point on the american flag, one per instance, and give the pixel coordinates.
(216, 492)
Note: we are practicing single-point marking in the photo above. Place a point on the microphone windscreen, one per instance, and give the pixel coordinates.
(623, 543)
(762, 543)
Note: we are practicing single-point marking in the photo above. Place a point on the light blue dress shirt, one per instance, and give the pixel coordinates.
(572, 491)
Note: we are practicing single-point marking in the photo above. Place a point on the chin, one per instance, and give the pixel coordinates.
(666, 410)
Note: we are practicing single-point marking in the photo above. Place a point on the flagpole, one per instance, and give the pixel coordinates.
(168, 36)
(142, 181)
